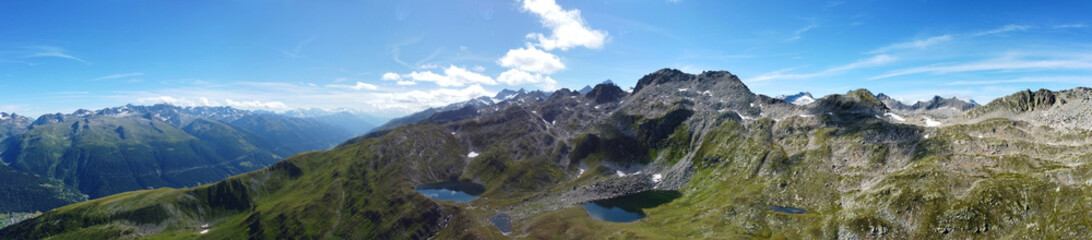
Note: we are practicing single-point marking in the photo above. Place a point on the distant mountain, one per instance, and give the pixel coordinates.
(508, 93)
(802, 98)
(12, 124)
(588, 88)
(468, 106)
(98, 153)
(1056, 109)
(585, 90)
(937, 102)
(345, 119)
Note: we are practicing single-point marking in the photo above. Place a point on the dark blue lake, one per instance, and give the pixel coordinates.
(503, 222)
(628, 208)
(789, 210)
(451, 191)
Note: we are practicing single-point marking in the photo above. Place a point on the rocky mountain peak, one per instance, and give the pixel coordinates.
(606, 92)
(934, 103)
(662, 76)
(508, 94)
(858, 102)
(49, 118)
(12, 117)
(940, 102)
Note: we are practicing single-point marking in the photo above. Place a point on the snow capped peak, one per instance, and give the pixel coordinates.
(802, 98)
(508, 94)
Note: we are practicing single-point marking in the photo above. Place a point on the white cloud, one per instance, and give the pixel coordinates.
(918, 44)
(1002, 64)
(870, 62)
(531, 59)
(272, 105)
(391, 77)
(119, 75)
(358, 86)
(417, 100)
(1006, 28)
(180, 101)
(428, 66)
(515, 77)
(567, 27)
(478, 68)
(453, 77)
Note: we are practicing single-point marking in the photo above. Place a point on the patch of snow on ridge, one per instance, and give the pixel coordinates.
(894, 116)
(620, 173)
(929, 122)
(472, 154)
(805, 100)
(683, 89)
(657, 177)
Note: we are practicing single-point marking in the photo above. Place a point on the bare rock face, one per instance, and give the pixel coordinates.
(604, 93)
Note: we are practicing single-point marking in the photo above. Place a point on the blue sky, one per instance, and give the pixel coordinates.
(390, 58)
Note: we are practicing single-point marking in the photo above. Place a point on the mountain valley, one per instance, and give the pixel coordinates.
(723, 162)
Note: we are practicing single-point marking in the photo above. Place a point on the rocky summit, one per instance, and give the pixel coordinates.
(712, 160)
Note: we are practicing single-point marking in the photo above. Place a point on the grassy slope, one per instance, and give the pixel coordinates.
(103, 156)
(318, 194)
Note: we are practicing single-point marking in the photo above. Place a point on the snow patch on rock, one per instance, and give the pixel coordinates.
(472, 154)
(929, 122)
(894, 116)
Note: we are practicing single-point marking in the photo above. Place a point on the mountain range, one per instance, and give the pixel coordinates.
(60, 159)
(738, 165)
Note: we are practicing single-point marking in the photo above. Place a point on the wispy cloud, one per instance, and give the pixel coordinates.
(1005, 29)
(1000, 64)
(1050, 79)
(1075, 25)
(916, 44)
(119, 75)
(396, 50)
(931, 41)
(52, 51)
(358, 86)
(799, 33)
(295, 52)
(869, 62)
